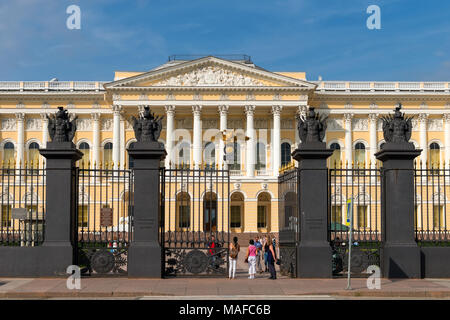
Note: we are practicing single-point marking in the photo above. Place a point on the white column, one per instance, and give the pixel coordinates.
(373, 117)
(276, 140)
(122, 142)
(20, 139)
(446, 117)
(423, 137)
(197, 139)
(44, 125)
(95, 118)
(348, 139)
(170, 112)
(116, 135)
(250, 146)
(223, 111)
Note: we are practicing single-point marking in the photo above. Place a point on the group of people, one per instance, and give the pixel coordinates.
(259, 249)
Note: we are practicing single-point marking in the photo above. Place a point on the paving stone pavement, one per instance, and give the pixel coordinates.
(221, 288)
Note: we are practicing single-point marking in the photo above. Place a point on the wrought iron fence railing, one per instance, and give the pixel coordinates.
(22, 219)
(431, 210)
(195, 221)
(104, 219)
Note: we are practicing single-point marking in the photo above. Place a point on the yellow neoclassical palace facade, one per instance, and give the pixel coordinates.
(200, 99)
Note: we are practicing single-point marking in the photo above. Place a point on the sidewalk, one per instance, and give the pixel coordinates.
(123, 287)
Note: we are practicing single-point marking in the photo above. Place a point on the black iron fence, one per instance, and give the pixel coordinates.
(431, 211)
(104, 219)
(288, 219)
(355, 191)
(22, 218)
(195, 221)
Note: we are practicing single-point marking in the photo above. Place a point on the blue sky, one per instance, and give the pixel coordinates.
(327, 38)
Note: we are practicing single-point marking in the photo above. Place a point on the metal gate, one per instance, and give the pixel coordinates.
(195, 231)
(288, 220)
(103, 220)
(363, 187)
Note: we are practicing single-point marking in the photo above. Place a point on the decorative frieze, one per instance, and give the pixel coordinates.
(434, 124)
(209, 124)
(287, 124)
(33, 124)
(335, 124)
(210, 76)
(360, 124)
(107, 124)
(235, 124)
(8, 124)
(84, 124)
(185, 123)
(261, 124)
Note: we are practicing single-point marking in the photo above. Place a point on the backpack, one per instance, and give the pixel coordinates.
(234, 252)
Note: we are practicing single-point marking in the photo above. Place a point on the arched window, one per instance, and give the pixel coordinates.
(236, 210)
(183, 210)
(360, 155)
(209, 155)
(85, 149)
(434, 155)
(263, 212)
(335, 159)
(184, 154)
(107, 155)
(233, 156)
(285, 153)
(8, 154)
(33, 154)
(260, 156)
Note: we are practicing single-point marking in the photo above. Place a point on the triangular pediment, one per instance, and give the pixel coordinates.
(209, 72)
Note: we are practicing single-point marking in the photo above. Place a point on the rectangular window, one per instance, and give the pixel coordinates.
(184, 216)
(438, 217)
(83, 216)
(235, 217)
(336, 214)
(262, 217)
(362, 216)
(6, 216)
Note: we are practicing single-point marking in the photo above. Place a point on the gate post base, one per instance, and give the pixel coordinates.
(314, 261)
(401, 261)
(144, 260)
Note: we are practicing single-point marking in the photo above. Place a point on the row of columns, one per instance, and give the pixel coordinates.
(373, 141)
(250, 133)
(119, 136)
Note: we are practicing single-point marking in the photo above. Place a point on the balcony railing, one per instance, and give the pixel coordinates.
(51, 85)
(383, 86)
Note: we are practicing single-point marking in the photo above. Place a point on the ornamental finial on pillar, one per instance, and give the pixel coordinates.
(312, 127)
(60, 128)
(148, 127)
(397, 128)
